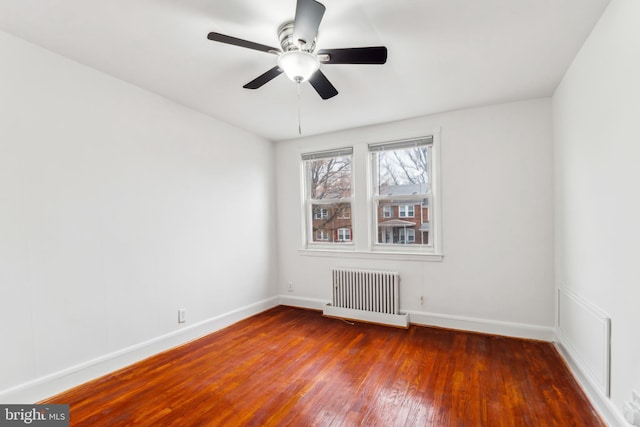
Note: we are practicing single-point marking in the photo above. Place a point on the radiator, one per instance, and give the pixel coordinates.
(585, 333)
(367, 290)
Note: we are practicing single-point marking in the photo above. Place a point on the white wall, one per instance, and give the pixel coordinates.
(117, 207)
(497, 271)
(597, 167)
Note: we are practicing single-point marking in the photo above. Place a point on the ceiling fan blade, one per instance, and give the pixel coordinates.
(222, 38)
(355, 55)
(263, 78)
(309, 14)
(322, 85)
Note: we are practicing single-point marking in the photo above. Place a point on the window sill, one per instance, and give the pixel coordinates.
(350, 253)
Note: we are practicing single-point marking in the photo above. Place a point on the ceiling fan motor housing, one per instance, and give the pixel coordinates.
(288, 43)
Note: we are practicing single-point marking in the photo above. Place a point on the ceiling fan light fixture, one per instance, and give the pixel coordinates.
(298, 65)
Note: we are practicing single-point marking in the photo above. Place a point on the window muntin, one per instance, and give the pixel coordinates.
(402, 181)
(328, 178)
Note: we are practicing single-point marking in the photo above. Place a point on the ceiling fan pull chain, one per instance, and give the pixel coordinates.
(299, 115)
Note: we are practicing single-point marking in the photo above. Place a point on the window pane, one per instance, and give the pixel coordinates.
(335, 226)
(330, 178)
(403, 171)
(402, 190)
(412, 227)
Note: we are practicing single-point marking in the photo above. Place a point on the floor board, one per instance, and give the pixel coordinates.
(293, 367)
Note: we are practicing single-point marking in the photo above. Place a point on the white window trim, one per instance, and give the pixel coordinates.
(363, 247)
(435, 207)
(307, 215)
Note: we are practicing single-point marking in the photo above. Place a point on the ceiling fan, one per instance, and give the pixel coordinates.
(298, 58)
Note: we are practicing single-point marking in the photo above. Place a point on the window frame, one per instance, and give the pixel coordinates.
(308, 202)
(431, 140)
(363, 244)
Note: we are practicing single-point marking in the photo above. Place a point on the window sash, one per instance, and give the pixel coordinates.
(327, 236)
(406, 203)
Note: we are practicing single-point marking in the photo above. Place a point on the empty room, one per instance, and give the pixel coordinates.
(320, 213)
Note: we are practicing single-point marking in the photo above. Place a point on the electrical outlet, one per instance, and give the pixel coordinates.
(290, 289)
(421, 300)
(182, 315)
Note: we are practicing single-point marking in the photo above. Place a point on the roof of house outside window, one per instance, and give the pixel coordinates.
(405, 189)
(397, 223)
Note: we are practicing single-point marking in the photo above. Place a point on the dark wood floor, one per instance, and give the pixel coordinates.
(294, 367)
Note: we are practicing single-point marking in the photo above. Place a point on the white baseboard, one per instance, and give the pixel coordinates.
(471, 324)
(518, 330)
(607, 410)
(302, 302)
(57, 382)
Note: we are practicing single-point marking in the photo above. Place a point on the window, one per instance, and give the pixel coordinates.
(344, 235)
(406, 211)
(402, 180)
(400, 190)
(345, 213)
(321, 213)
(407, 235)
(322, 235)
(327, 197)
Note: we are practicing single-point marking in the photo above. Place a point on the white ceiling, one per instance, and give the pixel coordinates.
(443, 54)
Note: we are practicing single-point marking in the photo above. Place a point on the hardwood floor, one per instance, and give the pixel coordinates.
(293, 367)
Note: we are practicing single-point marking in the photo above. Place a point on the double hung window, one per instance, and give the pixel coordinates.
(328, 177)
(402, 182)
(401, 199)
